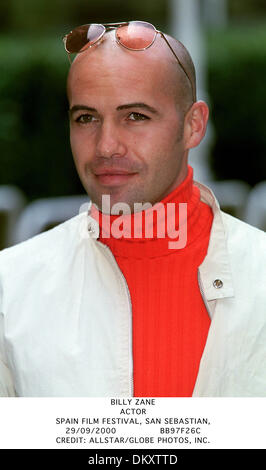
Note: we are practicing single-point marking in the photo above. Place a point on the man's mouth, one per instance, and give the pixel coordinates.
(113, 177)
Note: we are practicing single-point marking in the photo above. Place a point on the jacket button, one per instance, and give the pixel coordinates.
(218, 283)
(91, 229)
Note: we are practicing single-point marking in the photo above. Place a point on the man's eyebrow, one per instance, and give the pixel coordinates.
(78, 107)
(138, 105)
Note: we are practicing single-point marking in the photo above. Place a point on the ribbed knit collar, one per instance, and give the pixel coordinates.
(128, 236)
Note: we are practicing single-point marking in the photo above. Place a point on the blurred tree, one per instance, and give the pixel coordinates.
(236, 78)
(5, 16)
(248, 9)
(42, 17)
(38, 17)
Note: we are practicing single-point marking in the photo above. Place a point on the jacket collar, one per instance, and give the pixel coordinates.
(215, 270)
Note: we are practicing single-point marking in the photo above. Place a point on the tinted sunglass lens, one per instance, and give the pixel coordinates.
(83, 37)
(136, 35)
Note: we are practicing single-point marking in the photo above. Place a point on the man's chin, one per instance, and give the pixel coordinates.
(116, 205)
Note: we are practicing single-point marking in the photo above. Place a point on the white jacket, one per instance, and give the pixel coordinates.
(65, 313)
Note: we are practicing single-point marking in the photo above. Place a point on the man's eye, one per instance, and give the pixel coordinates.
(137, 117)
(85, 118)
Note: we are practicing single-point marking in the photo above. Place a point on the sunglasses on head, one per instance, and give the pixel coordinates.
(133, 35)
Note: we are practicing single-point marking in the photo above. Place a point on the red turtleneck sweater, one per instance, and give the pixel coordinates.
(169, 319)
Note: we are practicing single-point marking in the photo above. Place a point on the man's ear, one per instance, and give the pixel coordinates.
(195, 124)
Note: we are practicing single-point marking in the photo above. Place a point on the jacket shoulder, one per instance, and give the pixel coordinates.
(233, 224)
(45, 244)
(248, 241)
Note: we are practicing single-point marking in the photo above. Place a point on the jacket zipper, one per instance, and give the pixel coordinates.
(119, 272)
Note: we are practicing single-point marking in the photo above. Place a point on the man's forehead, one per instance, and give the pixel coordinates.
(120, 85)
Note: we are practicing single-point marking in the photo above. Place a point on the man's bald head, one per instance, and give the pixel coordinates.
(159, 55)
(186, 79)
(133, 112)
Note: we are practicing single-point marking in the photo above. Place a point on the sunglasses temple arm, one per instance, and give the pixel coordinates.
(169, 45)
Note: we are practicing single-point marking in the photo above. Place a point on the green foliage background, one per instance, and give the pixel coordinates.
(34, 141)
(237, 89)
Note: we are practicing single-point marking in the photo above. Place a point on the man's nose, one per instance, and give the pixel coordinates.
(109, 141)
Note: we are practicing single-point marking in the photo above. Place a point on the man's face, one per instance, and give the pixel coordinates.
(126, 131)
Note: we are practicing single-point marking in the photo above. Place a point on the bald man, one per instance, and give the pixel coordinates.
(152, 291)
(115, 78)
